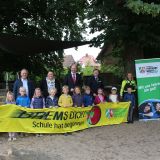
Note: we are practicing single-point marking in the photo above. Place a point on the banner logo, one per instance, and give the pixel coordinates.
(94, 115)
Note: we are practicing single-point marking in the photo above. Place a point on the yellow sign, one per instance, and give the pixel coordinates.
(60, 120)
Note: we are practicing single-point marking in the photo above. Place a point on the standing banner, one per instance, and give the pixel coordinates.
(148, 82)
(60, 120)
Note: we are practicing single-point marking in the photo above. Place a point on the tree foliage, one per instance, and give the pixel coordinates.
(125, 24)
(49, 19)
(138, 7)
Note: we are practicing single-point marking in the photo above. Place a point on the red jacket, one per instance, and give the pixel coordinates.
(97, 100)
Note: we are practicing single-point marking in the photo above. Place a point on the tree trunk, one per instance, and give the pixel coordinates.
(131, 53)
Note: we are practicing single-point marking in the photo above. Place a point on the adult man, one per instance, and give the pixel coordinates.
(50, 82)
(23, 82)
(95, 82)
(73, 79)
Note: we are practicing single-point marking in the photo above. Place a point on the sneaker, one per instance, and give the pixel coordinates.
(9, 139)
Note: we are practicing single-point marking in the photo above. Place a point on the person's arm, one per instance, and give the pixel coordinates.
(31, 105)
(122, 88)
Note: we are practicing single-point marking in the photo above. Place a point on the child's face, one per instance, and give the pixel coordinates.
(158, 107)
(77, 91)
(113, 91)
(65, 90)
(38, 93)
(52, 93)
(22, 92)
(129, 90)
(88, 91)
(100, 91)
(147, 109)
(10, 97)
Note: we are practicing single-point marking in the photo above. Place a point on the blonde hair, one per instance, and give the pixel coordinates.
(22, 88)
(7, 95)
(52, 89)
(37, 89)
(65, 87)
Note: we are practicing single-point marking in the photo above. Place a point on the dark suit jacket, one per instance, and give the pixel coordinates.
(44, 88)
(70, 83)
(18, 83)
(94, 85)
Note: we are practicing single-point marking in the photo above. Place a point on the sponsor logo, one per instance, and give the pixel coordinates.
(94, 115)
(148, 69)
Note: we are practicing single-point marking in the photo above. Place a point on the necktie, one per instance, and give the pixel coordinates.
(74, 77)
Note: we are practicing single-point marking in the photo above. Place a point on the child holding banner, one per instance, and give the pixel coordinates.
(77, 97)
(113, 97)
(38, 101)
(10, 100)
(129, 96)
(100, 98)
(23, 100)
(87, 97)
(65, 100)
(52, 100)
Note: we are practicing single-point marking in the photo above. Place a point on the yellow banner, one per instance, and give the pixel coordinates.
(60, 120)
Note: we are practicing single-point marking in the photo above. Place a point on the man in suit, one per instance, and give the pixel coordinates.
(50, 82)
(23, 81)
(73, 79)
(95, 82)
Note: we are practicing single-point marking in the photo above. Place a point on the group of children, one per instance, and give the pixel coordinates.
(65, 100)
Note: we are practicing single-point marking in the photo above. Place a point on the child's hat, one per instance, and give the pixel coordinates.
(114, 88)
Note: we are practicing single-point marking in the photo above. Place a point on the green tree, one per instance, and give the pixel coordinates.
(58, 20)
(129, 25)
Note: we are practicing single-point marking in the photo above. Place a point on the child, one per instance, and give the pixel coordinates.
(100, 98)
(129, 96)
(52, 100)
(87, 97)
(77, 97)
(23, 100)
(65, 100)
(38, 101)
(113, 97)
(10, 100)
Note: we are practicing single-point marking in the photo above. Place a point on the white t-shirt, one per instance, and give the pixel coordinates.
(113, 97)
(25, 85)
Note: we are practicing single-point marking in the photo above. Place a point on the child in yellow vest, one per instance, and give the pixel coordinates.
(65, 100)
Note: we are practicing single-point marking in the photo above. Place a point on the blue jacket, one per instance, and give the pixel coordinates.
(129, 97)
(50, 102)
(18, 83)
(23, 101)
(88, 100)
